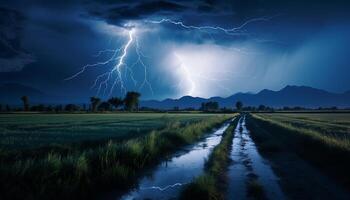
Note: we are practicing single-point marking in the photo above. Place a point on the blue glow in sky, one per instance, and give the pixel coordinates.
(194, 52)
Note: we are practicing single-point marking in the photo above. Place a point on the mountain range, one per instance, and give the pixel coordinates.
(288, 96)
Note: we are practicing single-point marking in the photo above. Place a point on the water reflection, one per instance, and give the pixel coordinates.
(248, 165)
(170, 176)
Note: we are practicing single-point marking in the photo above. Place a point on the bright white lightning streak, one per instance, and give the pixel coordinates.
(120, 63)
(103, 80)
(117, 69)
(228, 31)
(187, 76)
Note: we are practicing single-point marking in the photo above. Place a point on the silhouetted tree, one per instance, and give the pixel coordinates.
(8, 109)
(262, 107)
(210, 106)
(131, 100)
(25, 100)
(104, 106)
(116, 102)
(239, 105)
(95, 101)
(0, 107)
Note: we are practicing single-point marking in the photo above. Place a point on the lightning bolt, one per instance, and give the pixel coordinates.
(229, 31)
(120, 63)
(187, 75)
(112, 78)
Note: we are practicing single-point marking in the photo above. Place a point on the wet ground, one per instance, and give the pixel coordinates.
(250, 175)
(276, 176)
(168, 178)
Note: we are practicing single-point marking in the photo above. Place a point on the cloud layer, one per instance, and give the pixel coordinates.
(43, 42)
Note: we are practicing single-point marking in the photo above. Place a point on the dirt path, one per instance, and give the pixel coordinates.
(250, 175)
(299, 179)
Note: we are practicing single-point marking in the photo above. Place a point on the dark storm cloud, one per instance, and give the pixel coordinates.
(119, 13)
(10, 30)
(12, 56)
(295, 21)
(63, 35)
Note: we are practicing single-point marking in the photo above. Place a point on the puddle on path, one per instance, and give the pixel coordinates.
(248, 165)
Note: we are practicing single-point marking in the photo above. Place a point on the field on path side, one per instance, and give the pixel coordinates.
(37, 130)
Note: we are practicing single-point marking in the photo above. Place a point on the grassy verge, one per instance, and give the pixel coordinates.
(83, 172)
(324, 151)
(212, 184)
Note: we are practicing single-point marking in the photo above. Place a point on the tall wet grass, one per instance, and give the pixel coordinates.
(82, 173)
(212, 184)
(326, 151)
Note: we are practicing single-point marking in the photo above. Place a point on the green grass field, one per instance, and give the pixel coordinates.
(321, 138)
(333, 125)
(328, 123)
(332, 130)
(70, 156)
(37, 130)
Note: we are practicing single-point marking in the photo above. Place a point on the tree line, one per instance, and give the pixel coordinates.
(130, 103)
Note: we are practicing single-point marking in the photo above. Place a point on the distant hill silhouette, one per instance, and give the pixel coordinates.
(289, 96)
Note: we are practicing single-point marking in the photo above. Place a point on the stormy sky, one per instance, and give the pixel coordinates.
(271, 44)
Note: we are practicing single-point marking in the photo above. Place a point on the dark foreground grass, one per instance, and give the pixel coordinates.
(331, 154)
(83, 173)
(212, 184)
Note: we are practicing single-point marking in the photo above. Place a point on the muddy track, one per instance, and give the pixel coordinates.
(298, 178)
(250, 175)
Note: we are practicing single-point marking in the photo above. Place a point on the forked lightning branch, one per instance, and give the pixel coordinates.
(121, 71)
